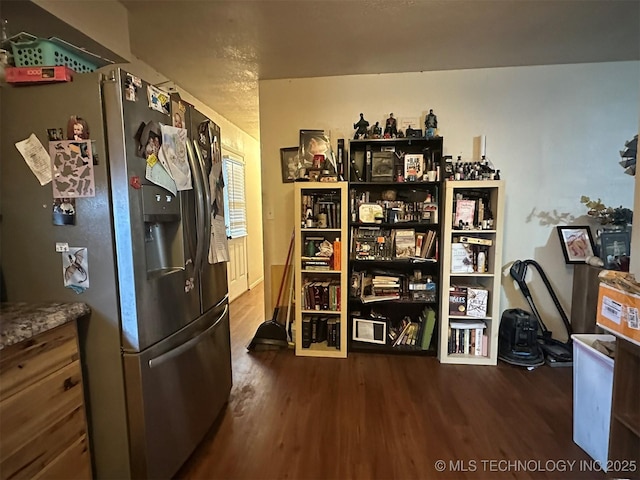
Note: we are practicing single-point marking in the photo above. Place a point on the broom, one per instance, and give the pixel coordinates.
(270, 332)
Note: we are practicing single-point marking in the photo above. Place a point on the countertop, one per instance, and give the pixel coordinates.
(20, 321)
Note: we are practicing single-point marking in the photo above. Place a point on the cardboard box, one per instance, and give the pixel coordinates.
(592, 394)
(618, 312)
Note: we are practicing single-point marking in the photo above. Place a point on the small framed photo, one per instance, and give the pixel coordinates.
(613, 246)
(314, 174)
(577, 243)
(289, 164)
(370, 331)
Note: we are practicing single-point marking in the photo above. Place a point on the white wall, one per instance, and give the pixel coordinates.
(553, 131)
(106, 22)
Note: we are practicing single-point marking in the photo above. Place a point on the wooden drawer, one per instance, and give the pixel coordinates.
(74, 463)
(27, 362)
(35, 455)
(40, 414)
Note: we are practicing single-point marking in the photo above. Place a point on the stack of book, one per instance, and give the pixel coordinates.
(426, 245)
(385, 286)
(319, 329)
(467, 337)
(321, 295)
(414, 334)
(376, 288)
(317, 263)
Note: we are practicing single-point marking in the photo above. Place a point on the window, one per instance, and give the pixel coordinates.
(235, 209)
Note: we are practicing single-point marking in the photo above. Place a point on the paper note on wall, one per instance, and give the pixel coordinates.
(36, 157)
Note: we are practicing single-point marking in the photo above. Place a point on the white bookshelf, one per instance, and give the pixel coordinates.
(492, 192)
(337, 274)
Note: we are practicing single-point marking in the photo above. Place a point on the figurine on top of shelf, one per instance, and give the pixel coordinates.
(361, 127)
(430, 124)
(376, 131)
(390, 129)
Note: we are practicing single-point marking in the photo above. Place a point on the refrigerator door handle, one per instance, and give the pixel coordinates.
(207, 206)
(199, 198)
(155, 362)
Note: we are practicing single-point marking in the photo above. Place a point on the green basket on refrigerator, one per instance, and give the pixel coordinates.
(31, 51)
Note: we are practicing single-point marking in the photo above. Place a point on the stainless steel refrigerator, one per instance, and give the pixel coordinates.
(156, 348)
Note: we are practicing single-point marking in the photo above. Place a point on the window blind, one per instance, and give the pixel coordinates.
(235, 208)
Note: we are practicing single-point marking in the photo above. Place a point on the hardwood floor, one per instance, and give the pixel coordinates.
(385, 417)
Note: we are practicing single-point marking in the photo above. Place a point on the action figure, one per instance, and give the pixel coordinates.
(430, 124)
(361, 127)
(376, 131)
(390, 129)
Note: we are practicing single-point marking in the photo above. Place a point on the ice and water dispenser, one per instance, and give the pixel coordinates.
(164, 248)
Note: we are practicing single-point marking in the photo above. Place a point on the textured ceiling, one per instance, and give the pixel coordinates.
(218, 50)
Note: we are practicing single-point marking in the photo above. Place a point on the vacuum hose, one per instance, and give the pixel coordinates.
(519, 271)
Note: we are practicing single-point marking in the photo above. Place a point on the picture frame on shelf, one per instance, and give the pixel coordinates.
(613, 246)
(576, 242)
(312, 144)
(382, 166)
(289, 164)
(370, 331)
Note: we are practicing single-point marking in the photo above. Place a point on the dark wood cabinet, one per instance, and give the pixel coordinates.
(624, 434)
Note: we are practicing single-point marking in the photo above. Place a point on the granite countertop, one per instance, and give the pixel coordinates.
(21, 321)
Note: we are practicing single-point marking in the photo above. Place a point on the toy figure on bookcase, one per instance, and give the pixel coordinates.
(430, 124)
(390, 128)
(376, 131)
(361, 127)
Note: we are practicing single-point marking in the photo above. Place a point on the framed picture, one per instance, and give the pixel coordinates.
(289, 163)
(577, 243)
(613, 246)
(370, 331)
(315, 150)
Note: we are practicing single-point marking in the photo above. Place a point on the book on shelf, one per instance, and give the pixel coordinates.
(429, 321)
(461, 258)
(405, 243)
(477, 301)
(457, 300)
(405, 326)
(413, 167)
(337, 254)
(429, 247)
(476, 240)
(306, 331)
(464, 213)
(467, 337)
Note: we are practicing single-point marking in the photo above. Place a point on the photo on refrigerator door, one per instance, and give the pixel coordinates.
(64, 211)
(75, 268)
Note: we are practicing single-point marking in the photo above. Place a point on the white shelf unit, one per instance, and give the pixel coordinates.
(339, 230)
(492, 192)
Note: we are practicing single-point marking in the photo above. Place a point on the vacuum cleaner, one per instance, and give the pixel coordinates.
(524, 339)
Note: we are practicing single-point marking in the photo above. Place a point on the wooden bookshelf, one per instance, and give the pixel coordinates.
(320, 281)
(395, 200)
(490, 195)
(624, 435)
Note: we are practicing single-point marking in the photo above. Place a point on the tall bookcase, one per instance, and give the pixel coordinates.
(395, 202)
(320, 261)
(471, 271)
